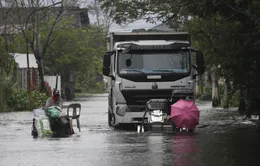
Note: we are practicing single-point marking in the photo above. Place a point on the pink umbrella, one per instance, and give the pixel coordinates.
(184, 113)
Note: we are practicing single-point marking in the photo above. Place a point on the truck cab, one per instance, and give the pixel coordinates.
(144, 66)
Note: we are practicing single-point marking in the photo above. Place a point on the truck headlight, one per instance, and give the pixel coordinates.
(121, 110)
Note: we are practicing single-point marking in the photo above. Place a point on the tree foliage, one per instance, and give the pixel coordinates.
(101, 17)
(27, 18)
(78, 51)
(6, 80)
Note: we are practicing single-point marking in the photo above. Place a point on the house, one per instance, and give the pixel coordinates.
(22, 77)
(11, 19)
(19, 15)
(21, 73)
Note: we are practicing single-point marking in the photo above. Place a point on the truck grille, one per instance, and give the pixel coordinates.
(140, 97)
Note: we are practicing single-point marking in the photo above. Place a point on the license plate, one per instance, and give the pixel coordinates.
(156, 116)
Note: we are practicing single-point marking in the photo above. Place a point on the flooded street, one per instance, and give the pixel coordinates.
(222, 138)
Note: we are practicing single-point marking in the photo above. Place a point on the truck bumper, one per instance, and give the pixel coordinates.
(131, 118)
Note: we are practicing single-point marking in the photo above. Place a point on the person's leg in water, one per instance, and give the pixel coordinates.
(34, 131)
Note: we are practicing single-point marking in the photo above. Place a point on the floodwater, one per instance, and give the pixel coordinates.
(222, 138)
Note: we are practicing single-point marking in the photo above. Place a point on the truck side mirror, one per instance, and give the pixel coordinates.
(200, 62)
(106, 63)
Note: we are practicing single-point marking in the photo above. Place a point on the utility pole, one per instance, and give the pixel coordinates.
(28, 76)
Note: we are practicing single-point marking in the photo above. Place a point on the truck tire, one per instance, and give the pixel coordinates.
(111, 119)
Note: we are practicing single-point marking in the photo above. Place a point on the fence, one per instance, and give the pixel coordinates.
(22, 78)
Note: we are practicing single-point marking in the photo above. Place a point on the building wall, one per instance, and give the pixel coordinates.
(22, 78)
(19, 15)
(52, 82)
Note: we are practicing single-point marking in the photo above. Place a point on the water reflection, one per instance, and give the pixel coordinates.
(153, 149)
(156, 149)
(184, 148)
(127, 148)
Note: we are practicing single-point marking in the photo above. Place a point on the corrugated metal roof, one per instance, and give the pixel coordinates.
(21, 59)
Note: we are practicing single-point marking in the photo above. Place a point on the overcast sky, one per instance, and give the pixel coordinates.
(129, 27)
(136, 25)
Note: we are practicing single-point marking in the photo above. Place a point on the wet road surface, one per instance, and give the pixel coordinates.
(229, 141)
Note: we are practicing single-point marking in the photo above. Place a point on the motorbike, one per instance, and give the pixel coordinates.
(51, 122)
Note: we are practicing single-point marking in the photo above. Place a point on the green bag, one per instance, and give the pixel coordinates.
(53, 112)
(45, 127)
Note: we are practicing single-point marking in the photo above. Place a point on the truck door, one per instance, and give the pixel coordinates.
(112, 84)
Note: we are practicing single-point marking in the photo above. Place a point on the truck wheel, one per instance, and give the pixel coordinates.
(111, 119)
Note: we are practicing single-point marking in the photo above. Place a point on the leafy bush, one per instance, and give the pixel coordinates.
(38, 99)
(48, 88)
(7, 88)
(221, 89)
(19, 100)
(207, 95)
(233, 100)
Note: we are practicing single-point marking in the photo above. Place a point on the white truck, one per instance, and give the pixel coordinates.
(148, 71)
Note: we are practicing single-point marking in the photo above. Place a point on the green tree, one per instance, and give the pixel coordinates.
(77, 52)
(29, 22)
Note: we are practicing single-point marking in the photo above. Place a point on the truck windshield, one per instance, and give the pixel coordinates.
(155, 62)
